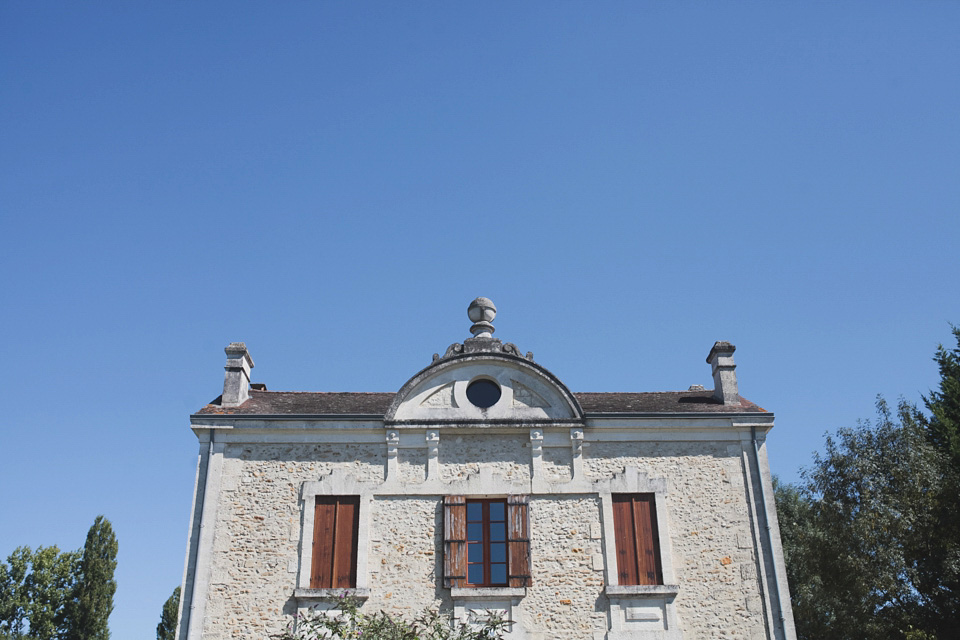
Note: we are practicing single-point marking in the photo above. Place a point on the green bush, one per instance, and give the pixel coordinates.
(352, 624)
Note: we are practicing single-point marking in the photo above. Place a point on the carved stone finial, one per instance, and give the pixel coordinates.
(482, 311)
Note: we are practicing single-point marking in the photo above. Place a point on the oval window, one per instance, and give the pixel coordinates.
(483, 393)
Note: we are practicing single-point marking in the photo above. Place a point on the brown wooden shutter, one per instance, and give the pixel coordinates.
(637, 539)
(623, 532)
(648, 552)
(518, 541)
(454, 541)
(336, 522)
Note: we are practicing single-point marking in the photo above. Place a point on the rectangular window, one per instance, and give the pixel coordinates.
(335, 528)
(637, 539)
(486, 542)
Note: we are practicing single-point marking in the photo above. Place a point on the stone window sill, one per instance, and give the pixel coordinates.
(642, 590)
(329, 595)
(486, 593)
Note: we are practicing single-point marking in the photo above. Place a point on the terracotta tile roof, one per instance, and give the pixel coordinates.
(272, 403)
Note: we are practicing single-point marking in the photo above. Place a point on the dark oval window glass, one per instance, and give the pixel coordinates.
(483, 393)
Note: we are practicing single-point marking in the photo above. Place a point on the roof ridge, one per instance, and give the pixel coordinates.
(369, 393)
(637, 392)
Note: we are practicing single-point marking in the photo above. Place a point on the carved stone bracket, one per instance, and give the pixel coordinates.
(432, 439)
(536, 453)
(393, 444)
(576, 446)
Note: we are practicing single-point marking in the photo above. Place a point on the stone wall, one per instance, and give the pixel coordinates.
(710, 531)
(563, 600)
(507, 454)
(406, 552)
(557, 464)
(255, 554)
(255, 546)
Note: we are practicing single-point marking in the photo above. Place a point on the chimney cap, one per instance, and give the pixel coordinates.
(720, 347)
(236, 350)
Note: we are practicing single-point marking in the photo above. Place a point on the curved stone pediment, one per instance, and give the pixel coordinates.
(527, 392)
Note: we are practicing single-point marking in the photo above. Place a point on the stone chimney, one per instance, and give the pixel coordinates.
(724, 373)
(236, 381)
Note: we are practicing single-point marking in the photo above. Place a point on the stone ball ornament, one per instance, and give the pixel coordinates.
(482, 311)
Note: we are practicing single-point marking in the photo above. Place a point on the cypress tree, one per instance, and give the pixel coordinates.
(93, 600)
(168, 617)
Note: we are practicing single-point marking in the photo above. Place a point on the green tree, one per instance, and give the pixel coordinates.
(872, 533)
(168, 617)
(49, 587)
(36, 588)
(943, 425)
(13, 592)
(857, 527)
(95, 587)
(939, 565)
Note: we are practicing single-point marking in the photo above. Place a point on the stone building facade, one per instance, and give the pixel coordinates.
(484, 483)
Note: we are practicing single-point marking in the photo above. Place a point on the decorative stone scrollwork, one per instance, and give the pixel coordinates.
(455, 349)
(511, 348)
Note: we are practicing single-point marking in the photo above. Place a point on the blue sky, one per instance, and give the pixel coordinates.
(333, 182)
